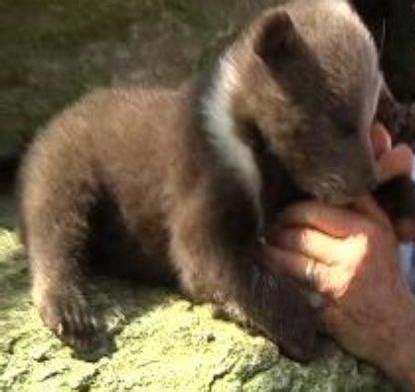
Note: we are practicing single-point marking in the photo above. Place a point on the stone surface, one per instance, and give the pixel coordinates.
(53, 52)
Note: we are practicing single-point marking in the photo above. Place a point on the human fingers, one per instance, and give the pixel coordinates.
(367, 206)
(396, 162)
(333, 281)
(381, 140)
(303, 269)
(309, 243)
(331, 220)
(405, 229)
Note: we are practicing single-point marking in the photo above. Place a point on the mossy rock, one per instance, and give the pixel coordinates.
(163, 343)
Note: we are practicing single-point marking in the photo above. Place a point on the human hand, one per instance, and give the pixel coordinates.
(352, 259)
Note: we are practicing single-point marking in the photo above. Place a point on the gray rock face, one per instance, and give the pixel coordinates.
(52, 53)
(163, 343)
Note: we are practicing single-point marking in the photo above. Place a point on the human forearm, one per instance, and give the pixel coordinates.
(398, 360)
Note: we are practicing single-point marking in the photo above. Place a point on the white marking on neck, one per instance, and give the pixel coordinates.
(220, 126)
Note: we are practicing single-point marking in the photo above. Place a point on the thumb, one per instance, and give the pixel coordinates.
(367, 206)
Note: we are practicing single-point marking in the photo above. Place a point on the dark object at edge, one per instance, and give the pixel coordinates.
(8, 168)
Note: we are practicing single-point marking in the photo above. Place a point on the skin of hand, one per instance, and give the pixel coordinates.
(354, 257)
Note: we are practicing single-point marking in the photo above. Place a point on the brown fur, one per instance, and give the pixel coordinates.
(138, 176)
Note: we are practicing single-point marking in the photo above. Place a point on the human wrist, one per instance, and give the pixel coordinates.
(397, 358)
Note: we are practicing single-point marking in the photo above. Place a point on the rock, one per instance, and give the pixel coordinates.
(60, 52)
(41, 353)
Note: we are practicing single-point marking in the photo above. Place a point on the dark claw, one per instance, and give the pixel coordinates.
(68, 316)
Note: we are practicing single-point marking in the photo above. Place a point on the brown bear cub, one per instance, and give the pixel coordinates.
(184, 184)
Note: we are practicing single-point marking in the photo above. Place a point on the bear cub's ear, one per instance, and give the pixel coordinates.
(277, 39)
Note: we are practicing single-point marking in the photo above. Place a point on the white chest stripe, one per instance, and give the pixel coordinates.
(220, 125)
